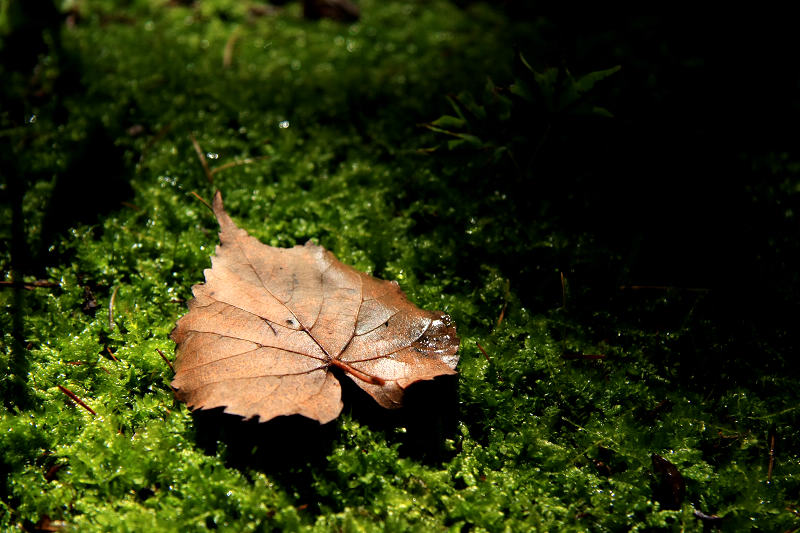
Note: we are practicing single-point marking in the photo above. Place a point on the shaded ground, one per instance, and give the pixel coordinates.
(629, 277)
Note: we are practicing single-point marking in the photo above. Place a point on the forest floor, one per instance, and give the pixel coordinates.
(613, 246)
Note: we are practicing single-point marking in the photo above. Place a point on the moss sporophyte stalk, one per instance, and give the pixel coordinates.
(573, 373)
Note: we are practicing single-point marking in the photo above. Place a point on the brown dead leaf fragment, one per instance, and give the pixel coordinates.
(265, 329)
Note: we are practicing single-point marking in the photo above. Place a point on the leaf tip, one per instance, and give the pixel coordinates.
(219, 211)
(217, 202)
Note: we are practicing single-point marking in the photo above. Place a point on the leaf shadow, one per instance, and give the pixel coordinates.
(288, 448)
(292, 449)
(429, 417)
(288, 445)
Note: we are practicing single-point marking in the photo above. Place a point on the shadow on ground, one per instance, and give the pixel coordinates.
(287, 445)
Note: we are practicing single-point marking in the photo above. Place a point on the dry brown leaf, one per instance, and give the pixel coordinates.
(265, 329)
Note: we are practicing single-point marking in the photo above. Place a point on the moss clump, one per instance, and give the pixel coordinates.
(322, 121)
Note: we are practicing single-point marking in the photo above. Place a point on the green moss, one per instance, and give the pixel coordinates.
(538, 442)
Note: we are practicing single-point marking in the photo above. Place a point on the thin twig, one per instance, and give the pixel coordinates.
(202, 157)
(111, 308)
(164, 357)
(661, 288)
(564, 310)
(483, 351)
(76, 399)
(50, 475)
(771, 456)
(208, 205)
(39, 283)
(237, 163)
(712, 518)
(502, 314)
(114, 357)
(583, 356)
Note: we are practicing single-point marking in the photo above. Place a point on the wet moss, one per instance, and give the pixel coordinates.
(321, 123)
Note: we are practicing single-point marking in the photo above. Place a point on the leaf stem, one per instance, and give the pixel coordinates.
(374, 380)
